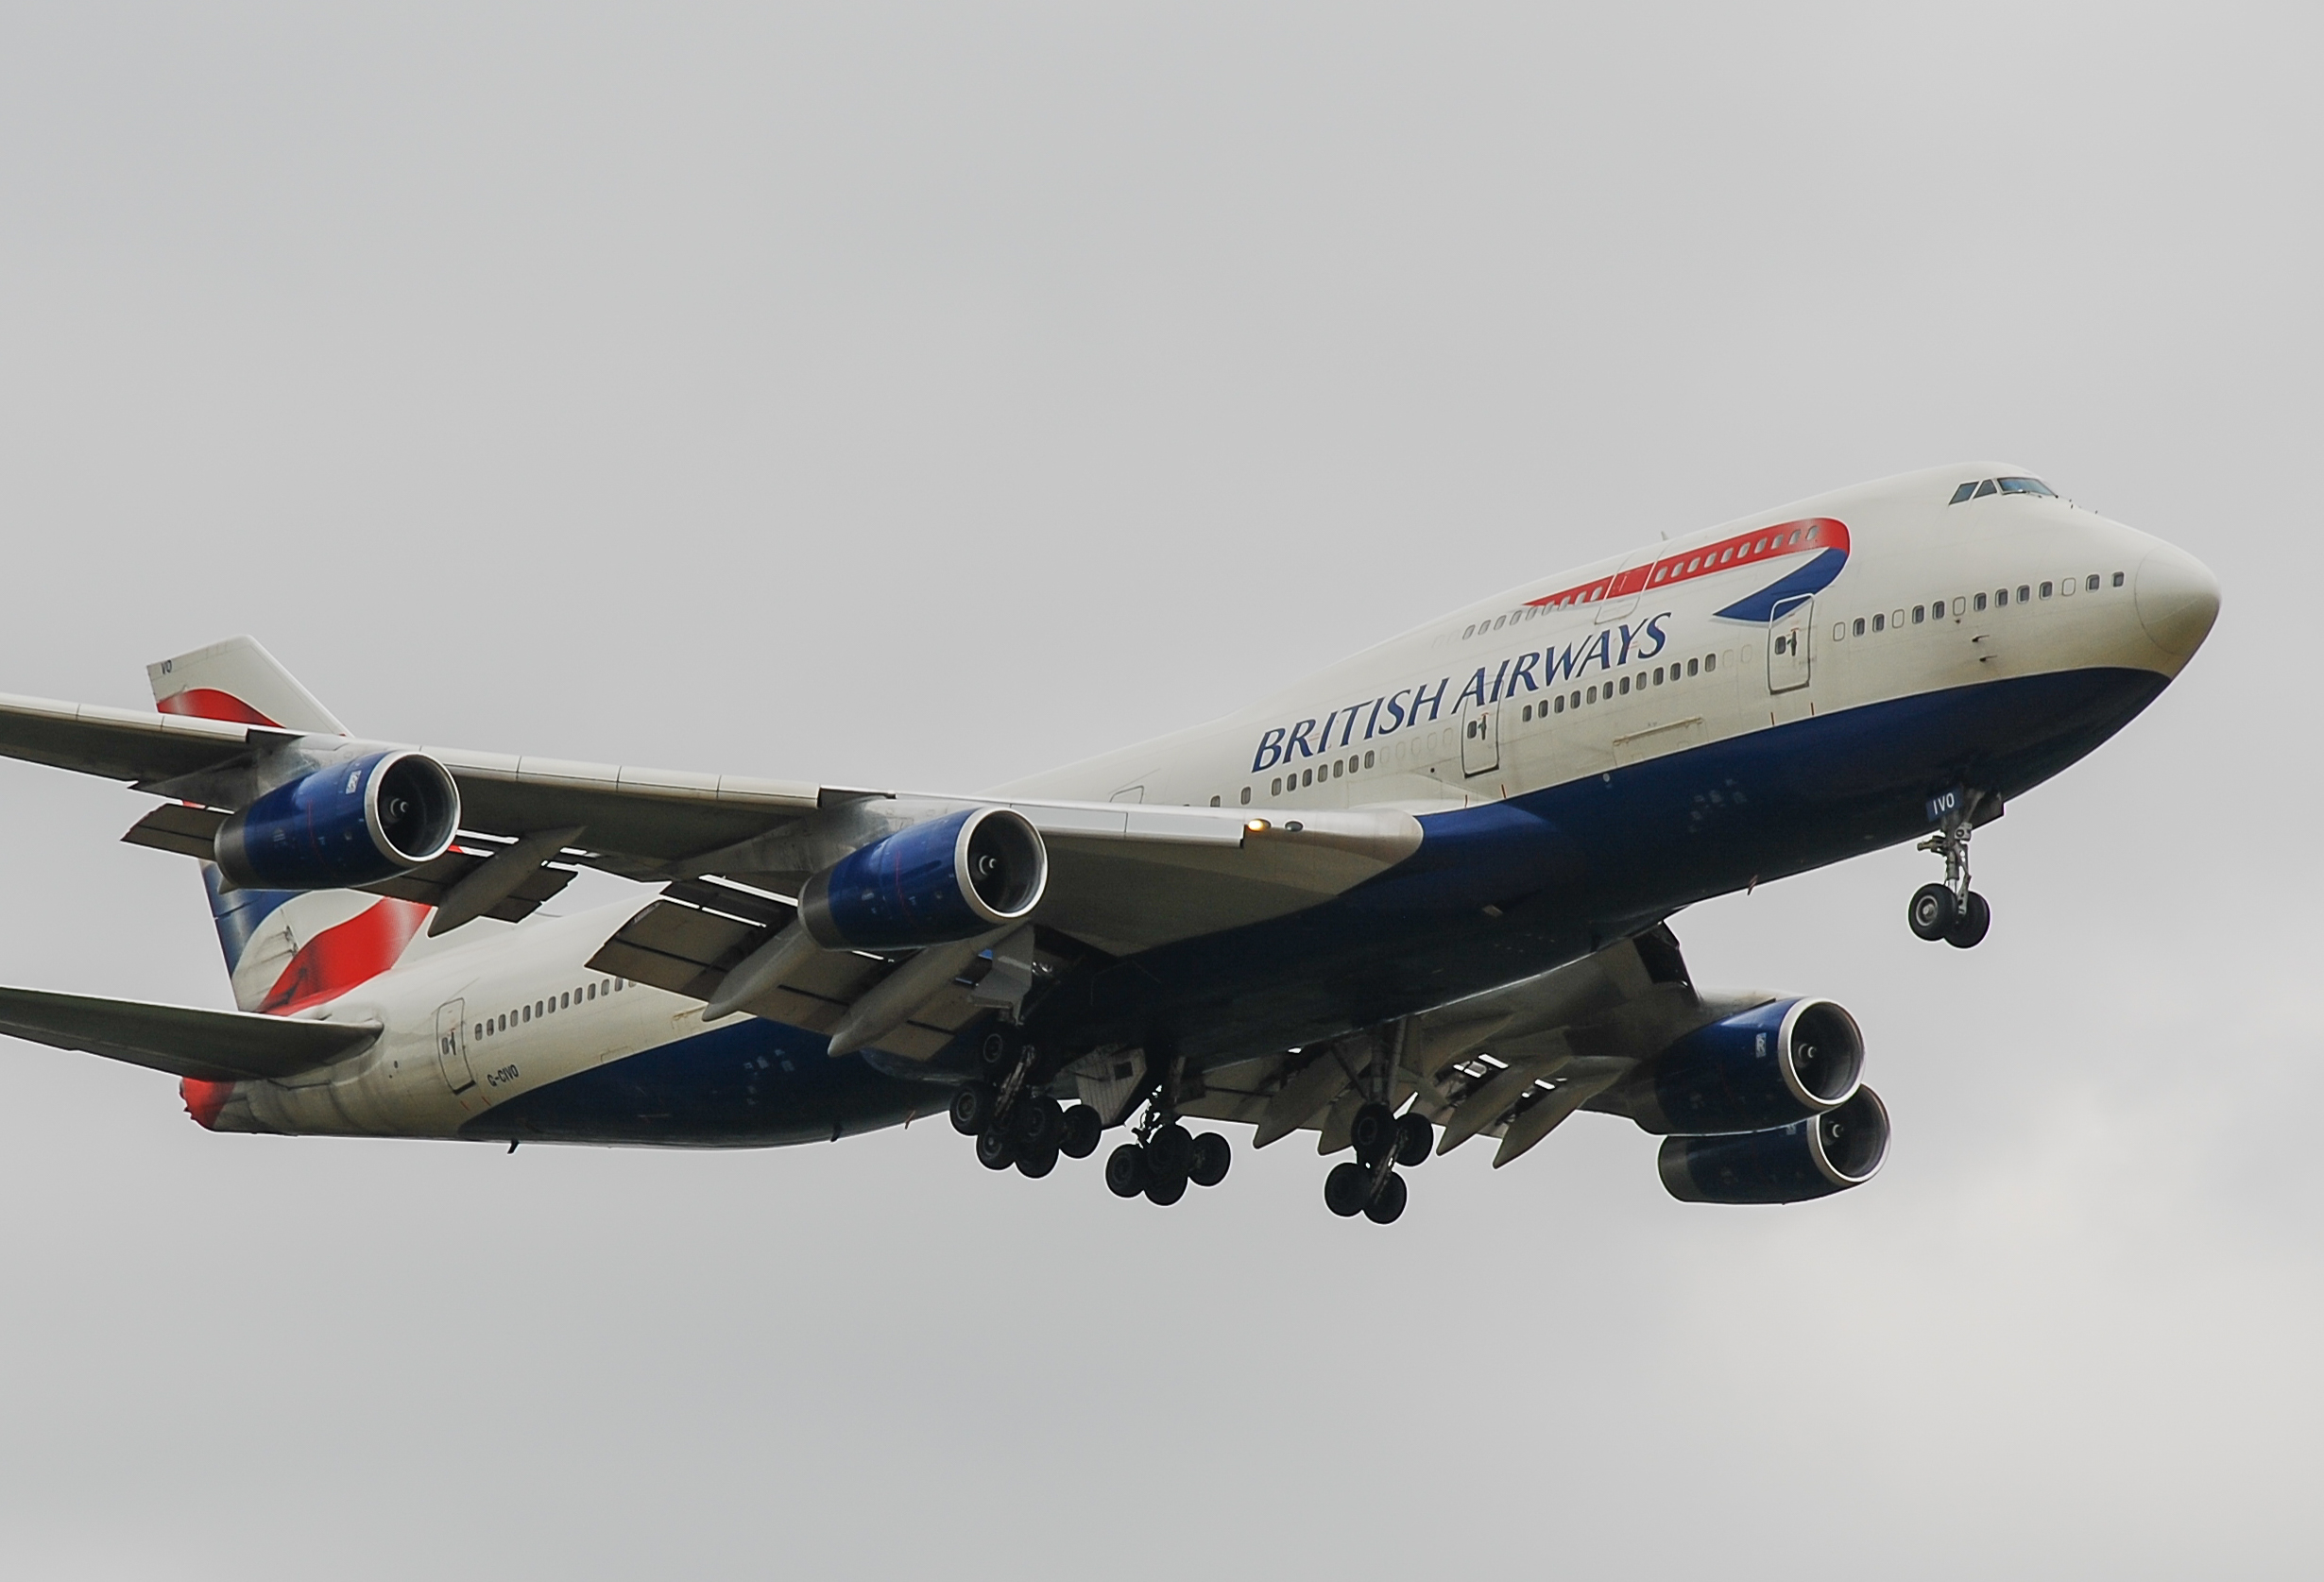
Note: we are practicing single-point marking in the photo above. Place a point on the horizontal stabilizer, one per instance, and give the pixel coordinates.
(210, 1045)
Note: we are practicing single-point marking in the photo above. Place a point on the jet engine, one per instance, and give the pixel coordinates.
(1812, 1158)
(1764, 1068)
(947, 878)
(352, 824)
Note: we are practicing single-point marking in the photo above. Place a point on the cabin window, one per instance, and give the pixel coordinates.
(1557, 705)
(1624, 688)
(526, 1012)
(1690, 665)
(2001, 598)
(2046, 590)
(1839, 631)
(2065, 588)
(1658, 675)
(2118, 579)
(1306, 776)
(1859, 625)
(1276, 788)
(1980, 601)
(1246, 796)
(1879, 624)
(1469, 633)
(1593, 695)
(1367, 762)
(1917, 611)
(2093, 584)
(1709, 661)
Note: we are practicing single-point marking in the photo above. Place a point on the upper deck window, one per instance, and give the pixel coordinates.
(1978, 489)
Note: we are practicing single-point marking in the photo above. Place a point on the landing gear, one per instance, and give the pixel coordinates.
(1078, 1134)
(1369, 1184)
(1951, 911)
(1164, 1161)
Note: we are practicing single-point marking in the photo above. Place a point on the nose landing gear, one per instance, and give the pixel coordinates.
(1951, 911)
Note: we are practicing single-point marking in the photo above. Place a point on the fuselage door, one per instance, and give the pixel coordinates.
(451, 1046)
(1619, 595)
(1480, 738)
(1788, 631)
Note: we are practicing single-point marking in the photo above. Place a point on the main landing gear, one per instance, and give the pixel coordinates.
(1016, 1126)
(1369, 1184)
(1165, 1160)
(1951, 911)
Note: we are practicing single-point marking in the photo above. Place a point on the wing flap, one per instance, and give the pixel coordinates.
(211, 1045)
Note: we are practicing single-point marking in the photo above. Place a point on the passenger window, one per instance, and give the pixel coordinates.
(1985, 488)
(1469, 633)
(1963, 492)
(1918, 610)
(1980, 601)
(1339, 767)
(2046, 590)
(1593, 697)
(2024, 594)
(1690, 665)
(1306, 776)
(1880, 623)
(2001, 597)
(2118, 579)
(1367, 765)
(1859, 624)
(1624, 687)
(525, 1010)
(1709, 661)
(1246, 796)
(1575, 701)
(1658, 675)
(1276, 788)
(2093, 584)
(2065, 588)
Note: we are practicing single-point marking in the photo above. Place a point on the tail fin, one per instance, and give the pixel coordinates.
(284, 950)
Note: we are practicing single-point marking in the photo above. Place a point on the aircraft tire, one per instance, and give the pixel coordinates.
(1933, 912)
(1373, 1133)
(1971, 927)
(1211, 1157)
(1384, 1209)
(1346, 1189)
(1125, 1172)
(1170, 1150)
(972, 1108)
(1414, 1138)
(996, 1150)
(1037, 1123)
(1037, 1162)
(1166, 1190)
(1078, 1133)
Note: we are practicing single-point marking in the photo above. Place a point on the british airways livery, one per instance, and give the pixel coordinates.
(1418, 897)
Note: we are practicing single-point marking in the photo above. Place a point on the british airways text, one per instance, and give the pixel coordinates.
(1608, 650)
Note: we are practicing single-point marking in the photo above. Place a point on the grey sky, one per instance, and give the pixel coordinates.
(922, 396)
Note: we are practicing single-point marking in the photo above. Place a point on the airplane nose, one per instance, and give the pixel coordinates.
(2177, 599)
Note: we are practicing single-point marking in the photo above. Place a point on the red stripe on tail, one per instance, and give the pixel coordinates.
(342, 957)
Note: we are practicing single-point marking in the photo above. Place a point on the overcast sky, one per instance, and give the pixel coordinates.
(924, 397)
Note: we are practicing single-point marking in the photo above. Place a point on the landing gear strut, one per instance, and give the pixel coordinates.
(1951, 911)
(1369, 1184)
(1014, 1122)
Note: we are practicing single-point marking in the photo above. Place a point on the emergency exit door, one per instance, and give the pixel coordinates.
(1789, 632)
(451, 1046)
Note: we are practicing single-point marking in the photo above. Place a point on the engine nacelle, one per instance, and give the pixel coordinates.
(944, 879)
(352, 824)
(1813, 1158)
(1767, 1066)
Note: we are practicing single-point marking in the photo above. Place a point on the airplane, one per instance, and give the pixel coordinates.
(1418, 897)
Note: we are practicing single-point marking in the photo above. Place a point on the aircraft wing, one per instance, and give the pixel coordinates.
(1124, 877)
(1511, 1064)
(212, 1046)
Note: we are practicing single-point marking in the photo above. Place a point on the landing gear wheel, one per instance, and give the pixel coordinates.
(1212, 1155)
(1414, 1138)
(1374, 1132)
(1170, 1150)
(1077, 1136)
(1166, 1190)
(1037, 1162)
(1383, 1209)
(1970, 926)
(972, 1108)
(995, 1151)
(1125, 1170)
(1346, 1189)
(1037, 1123)
(1933, 912)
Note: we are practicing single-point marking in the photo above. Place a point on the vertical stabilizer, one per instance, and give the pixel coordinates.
(285, 949)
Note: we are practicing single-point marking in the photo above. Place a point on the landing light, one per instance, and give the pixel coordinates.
(1257, 827)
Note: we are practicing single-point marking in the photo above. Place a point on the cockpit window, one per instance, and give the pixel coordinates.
(1978, 490)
